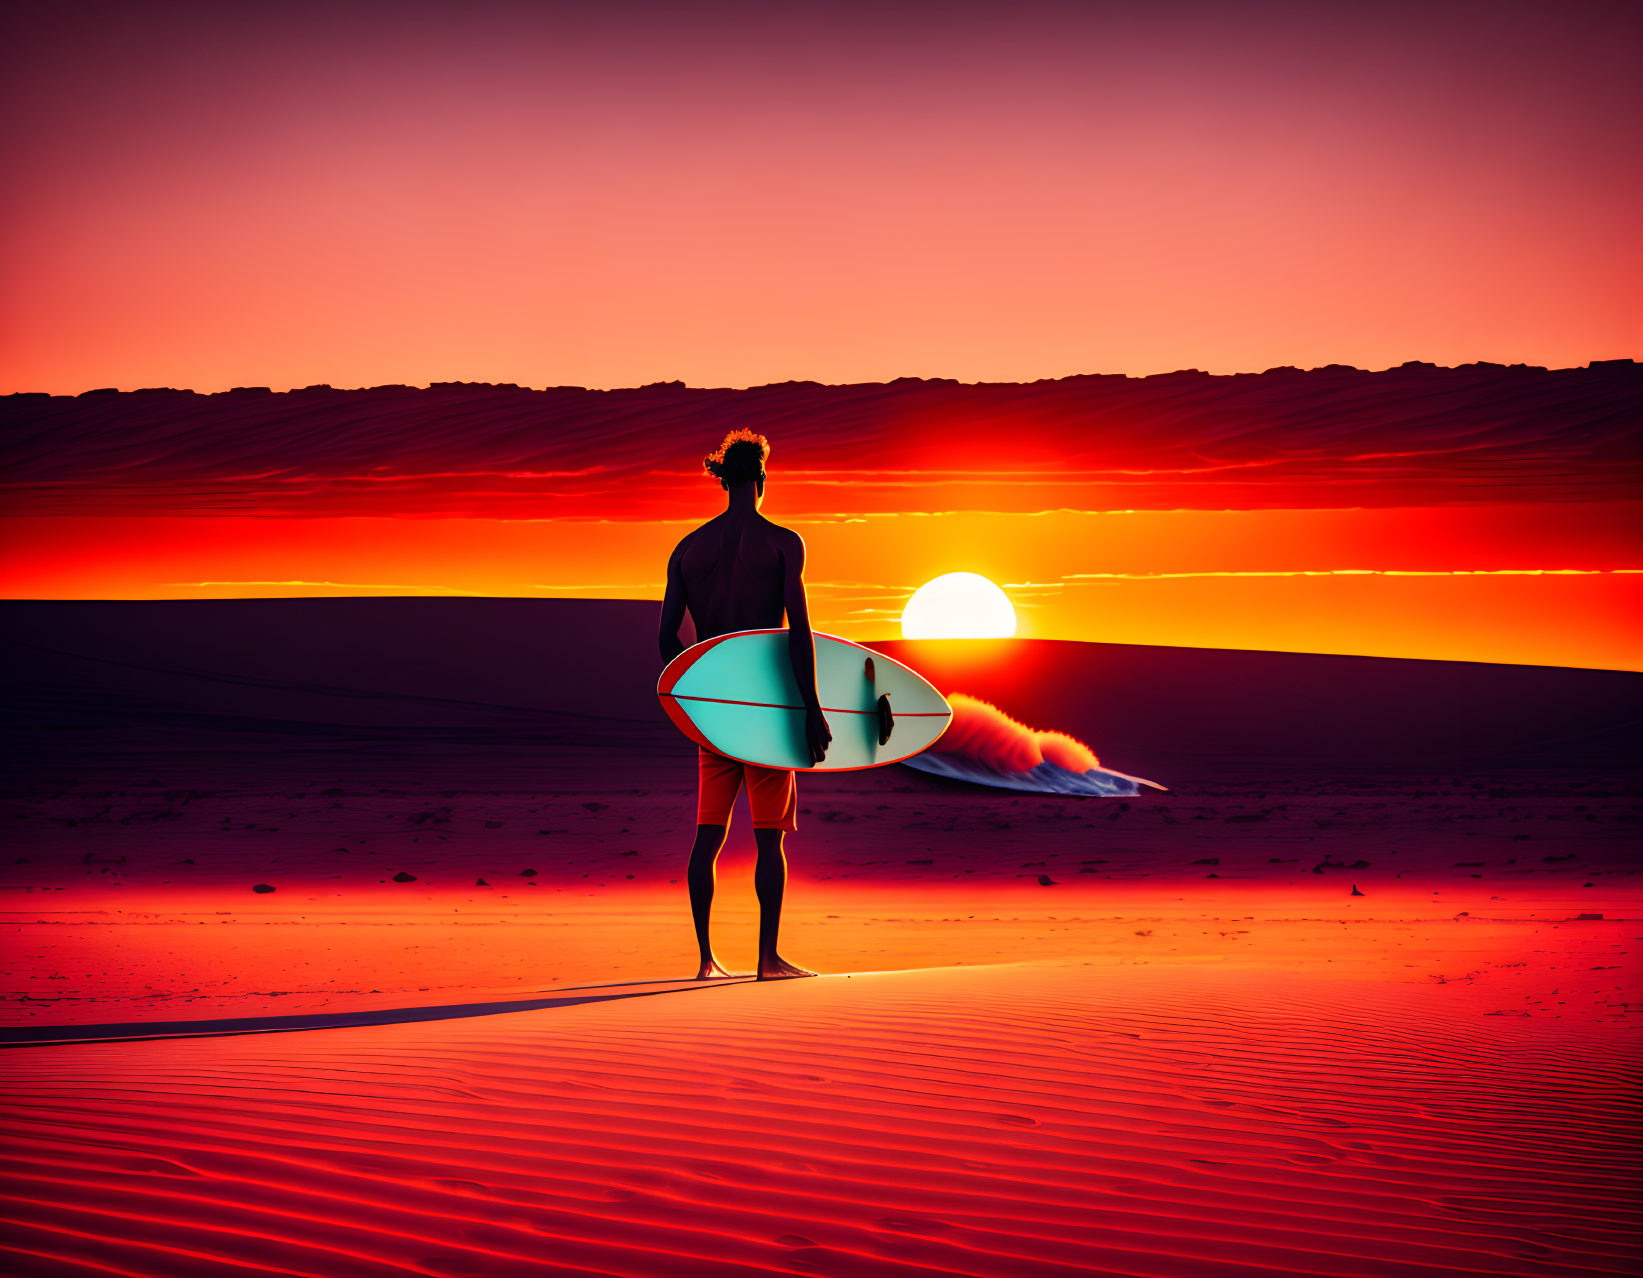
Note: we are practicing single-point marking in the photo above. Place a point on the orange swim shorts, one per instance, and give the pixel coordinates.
(772, 793)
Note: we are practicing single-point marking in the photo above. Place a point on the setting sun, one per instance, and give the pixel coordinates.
(958, 605)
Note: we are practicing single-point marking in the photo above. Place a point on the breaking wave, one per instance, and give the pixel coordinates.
(985, 746)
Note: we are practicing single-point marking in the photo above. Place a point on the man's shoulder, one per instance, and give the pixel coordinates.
(691, 536)
(784, 536)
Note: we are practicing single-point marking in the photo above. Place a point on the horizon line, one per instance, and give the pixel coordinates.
(1410, 365)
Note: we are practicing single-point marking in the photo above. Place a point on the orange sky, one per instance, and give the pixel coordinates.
(732, 195)
(1538, 584)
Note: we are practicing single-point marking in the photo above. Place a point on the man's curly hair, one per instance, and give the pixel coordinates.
(739, 459)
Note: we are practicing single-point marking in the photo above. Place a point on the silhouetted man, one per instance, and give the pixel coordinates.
(736, 572)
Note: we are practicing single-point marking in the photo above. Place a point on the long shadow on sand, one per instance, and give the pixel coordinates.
(139, 1031)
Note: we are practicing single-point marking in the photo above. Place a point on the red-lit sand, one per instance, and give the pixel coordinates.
(1046, 1118)
(1193, 1051)
(1148, 1073)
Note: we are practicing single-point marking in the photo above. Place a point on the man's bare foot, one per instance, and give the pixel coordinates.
(779, 969)
(711, 971)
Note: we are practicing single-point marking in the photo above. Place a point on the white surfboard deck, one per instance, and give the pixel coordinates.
(736, 694)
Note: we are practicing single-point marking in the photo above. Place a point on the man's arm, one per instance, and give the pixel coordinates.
(673, 609)
(801, 646)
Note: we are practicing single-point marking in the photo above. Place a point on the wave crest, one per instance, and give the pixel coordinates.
(985, 735)
(985, 746)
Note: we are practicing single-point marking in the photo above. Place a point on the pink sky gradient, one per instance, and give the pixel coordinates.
(611, 195)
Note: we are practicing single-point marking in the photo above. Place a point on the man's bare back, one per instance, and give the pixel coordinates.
(733, 570)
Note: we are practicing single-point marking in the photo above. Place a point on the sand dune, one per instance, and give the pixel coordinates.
(1179, 713)
(1010, 1120)
(342, 670)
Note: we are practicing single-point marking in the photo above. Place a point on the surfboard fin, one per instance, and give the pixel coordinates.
(887, 721)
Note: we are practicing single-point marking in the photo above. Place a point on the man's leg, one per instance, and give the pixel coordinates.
(770, 882)
(704, 855)
(773, 796)
(719, 780)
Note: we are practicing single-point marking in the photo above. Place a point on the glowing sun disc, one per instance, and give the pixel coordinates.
(959, 605)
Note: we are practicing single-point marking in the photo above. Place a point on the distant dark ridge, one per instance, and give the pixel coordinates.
(109, 678)
(1334, 436)
(1412, 364)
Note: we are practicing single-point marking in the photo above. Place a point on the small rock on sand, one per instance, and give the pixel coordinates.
(262, 887)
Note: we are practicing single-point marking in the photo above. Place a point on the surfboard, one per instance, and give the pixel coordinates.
(736, 694)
